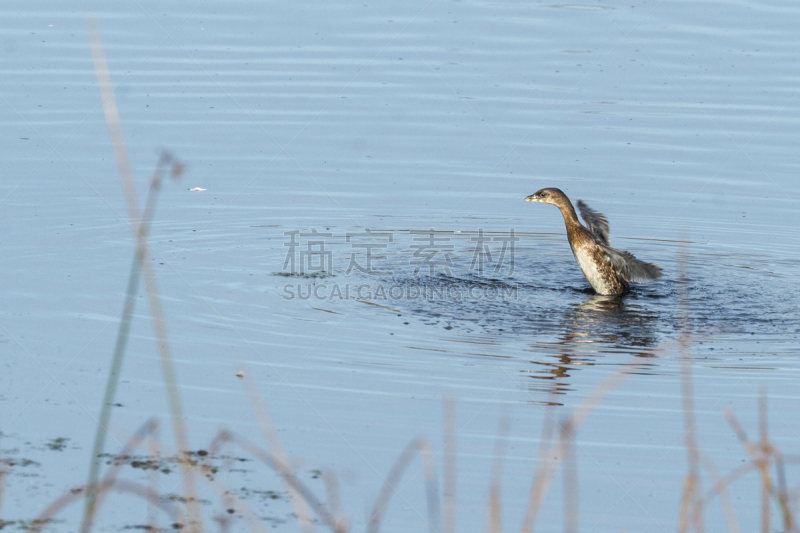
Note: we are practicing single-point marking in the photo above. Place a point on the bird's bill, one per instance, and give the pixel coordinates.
(532, 198)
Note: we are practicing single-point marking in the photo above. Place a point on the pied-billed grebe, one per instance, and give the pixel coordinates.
(608, 270)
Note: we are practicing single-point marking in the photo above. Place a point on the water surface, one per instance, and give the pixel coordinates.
(678, 122)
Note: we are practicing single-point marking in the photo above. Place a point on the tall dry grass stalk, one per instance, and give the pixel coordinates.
(154, 450)
(449, 465)
(111, 481)
(423, 447)
(784, 500)
(494, 511)
(728, 510)
(335, 501)
(737, 473)
(279, 457)
(542, 459)
(570, 479)
(151, 288)
(428, 460)
(764, 455)
(551, 454)
(551, 457)
(690, 514)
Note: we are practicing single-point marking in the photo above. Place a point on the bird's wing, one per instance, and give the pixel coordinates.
(629, 267)
(597, 222)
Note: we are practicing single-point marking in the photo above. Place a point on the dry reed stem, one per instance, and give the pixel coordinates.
(265, 457)
(495, 518)
(232, 502)
(783, 493)
(428, 459)
(148, 430)
(596, 395)
(494, 515)
(570, 473)
(222, 437)
(225, 494)
(687, 500)
(148, 274)
(279, 457)
(544, 474)
(720, 485)
(741, 434)
(765, 453)
(340, 521)
(734, 475)
(759, 455)
(449, 464)
(104, 486)
(542, 460)
(133, 442)
(727, 505)
(388, 489)
(154, 449)
(689, 512)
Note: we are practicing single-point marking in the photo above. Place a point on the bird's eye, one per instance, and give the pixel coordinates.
(543, 194)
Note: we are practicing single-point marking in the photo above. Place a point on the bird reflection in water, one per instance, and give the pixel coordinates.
(599, 326)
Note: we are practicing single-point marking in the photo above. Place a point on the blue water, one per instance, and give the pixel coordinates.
(678, 121)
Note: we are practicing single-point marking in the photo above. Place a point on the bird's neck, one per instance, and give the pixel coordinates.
(570, 216)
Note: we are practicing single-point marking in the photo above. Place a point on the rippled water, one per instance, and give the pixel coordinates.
(678, 121)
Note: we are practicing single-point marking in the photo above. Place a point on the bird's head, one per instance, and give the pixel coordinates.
(550, 195)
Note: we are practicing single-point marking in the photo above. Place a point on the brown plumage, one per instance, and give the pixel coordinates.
(607, 269)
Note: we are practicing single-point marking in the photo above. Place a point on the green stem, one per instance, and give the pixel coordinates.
(111, 389)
